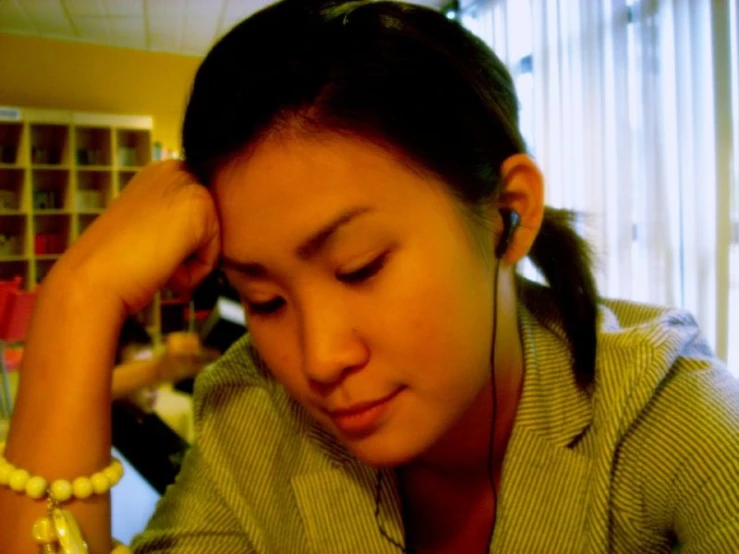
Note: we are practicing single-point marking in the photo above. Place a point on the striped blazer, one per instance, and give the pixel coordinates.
(645, 462)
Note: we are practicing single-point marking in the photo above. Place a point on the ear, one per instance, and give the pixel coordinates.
(523, 192)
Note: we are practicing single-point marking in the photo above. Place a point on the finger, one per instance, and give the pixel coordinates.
(208, 254)
(198, 269)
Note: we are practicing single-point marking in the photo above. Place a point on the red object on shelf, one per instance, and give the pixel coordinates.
(49, 243)
(39, 243)
(5, 288)
(16, 314)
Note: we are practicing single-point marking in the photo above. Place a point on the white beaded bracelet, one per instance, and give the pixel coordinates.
(58, 531)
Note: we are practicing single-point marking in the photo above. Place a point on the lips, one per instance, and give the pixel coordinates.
(359, 407)
(362, 418)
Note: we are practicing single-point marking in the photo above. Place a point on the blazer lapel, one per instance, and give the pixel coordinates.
(543, 504)
(338, 508)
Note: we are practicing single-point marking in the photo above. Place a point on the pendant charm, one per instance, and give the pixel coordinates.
(43, 532)
(68, 532)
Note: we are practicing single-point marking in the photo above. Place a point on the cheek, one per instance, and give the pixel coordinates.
(445, 323)
(397, 318)
(278, 355)
(437, 299)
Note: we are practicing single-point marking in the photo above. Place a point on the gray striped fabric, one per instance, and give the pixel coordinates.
(646, 460)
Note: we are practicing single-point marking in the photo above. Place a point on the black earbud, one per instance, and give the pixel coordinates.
(511, 220)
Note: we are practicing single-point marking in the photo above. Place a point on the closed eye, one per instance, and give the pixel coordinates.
(266, 308)
(358, 276)
(363, 273)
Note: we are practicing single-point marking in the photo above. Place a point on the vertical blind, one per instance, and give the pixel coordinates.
(631, 109)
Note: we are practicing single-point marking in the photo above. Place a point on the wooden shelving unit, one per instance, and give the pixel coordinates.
(59, 170)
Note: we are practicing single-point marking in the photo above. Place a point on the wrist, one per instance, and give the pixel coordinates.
(79, 292)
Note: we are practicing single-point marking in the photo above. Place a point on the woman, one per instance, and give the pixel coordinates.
(356, 170)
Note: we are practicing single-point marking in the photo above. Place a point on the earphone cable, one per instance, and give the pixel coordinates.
(495, 408)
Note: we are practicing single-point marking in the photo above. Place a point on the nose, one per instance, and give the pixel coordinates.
(331, 345)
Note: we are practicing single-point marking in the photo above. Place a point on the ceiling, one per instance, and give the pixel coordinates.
(187, 27)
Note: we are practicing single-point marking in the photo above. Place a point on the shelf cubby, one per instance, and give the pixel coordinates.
(93, 146)
(52, 233)
(133, 148)
(13, 236)
(50, 190)
(11, 143)
(12, 199)
(95, 190)
(49, 144)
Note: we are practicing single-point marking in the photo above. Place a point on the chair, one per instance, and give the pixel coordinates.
(16, 308)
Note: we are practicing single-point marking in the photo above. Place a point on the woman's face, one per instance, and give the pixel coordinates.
(364, 293)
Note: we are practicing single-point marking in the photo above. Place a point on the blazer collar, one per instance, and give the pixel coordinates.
(552, 405)
(544, 481)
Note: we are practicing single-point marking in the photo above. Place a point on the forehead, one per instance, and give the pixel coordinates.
(294, 166)
(286, 187)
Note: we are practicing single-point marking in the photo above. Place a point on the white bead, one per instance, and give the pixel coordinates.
(61, 490)
(18, 480)
(100, 483)
(113, 473)
(36, 487)
(5, 470)
(119, 468)
(82, 487)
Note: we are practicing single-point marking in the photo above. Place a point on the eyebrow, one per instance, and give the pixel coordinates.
(306, 250)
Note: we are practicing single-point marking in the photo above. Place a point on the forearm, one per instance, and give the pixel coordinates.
(61, 423)
(132, 376)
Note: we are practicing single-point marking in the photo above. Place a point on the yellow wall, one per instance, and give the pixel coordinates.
(77, 76)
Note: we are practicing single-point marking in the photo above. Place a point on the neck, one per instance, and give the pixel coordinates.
(447, 497)
(453, 476)
(462, 453)
(448, 500)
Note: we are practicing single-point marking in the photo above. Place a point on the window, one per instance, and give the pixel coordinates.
(621, 103)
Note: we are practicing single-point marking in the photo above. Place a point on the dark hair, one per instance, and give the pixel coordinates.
(397, 74)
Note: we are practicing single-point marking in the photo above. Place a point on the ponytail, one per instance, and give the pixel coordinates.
(565, 260)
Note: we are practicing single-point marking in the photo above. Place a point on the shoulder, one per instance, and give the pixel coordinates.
(642, 348)
(235, 374)
(678, 412)
(655, 363)
(651, 325)
(679, 455)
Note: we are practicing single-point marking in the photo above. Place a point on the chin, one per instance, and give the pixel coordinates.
(383, 452)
